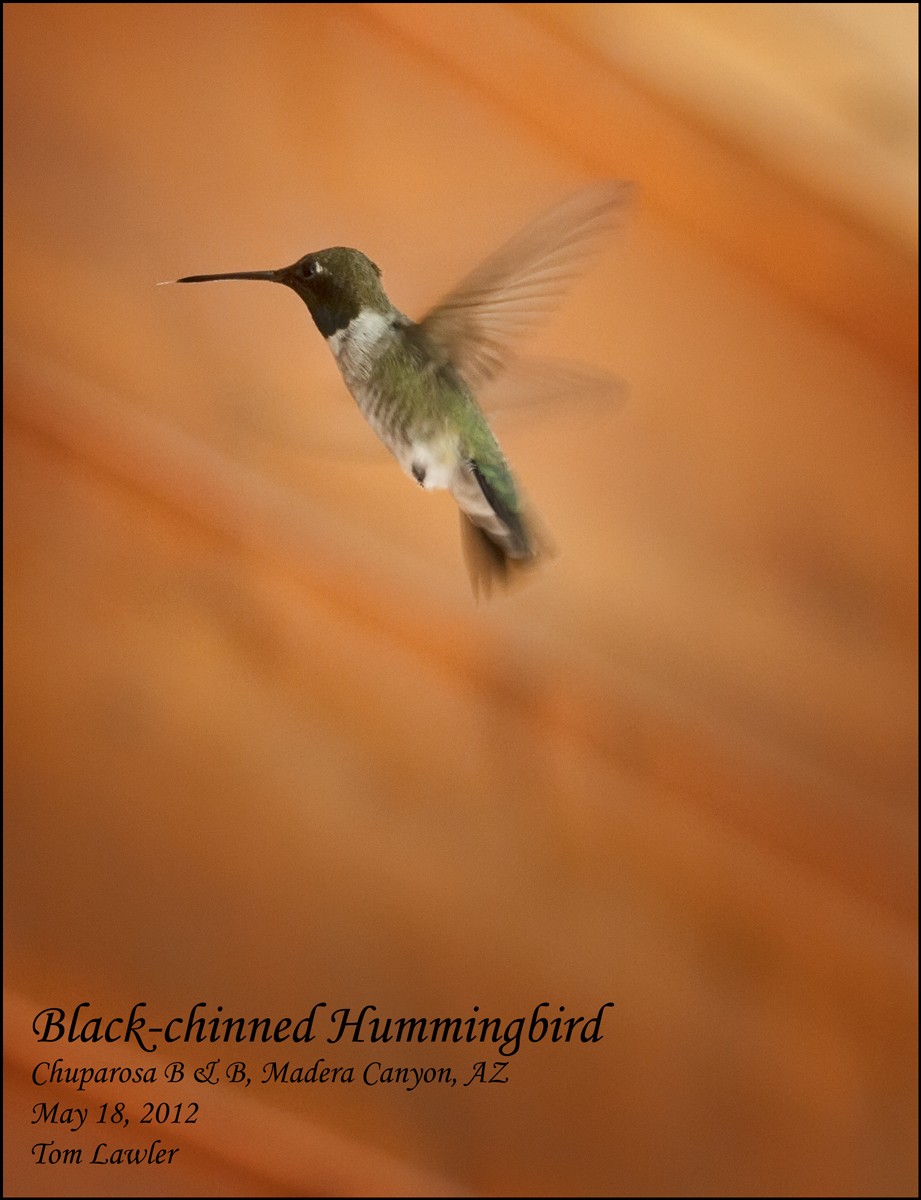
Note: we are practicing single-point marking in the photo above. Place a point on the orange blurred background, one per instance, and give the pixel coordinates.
(263, 751)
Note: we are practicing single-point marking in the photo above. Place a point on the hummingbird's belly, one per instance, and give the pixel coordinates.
(431, 464)
(431, 457)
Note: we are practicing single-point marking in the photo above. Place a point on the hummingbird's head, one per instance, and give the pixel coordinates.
(335, 284)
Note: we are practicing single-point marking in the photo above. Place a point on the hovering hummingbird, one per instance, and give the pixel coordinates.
(416, 382)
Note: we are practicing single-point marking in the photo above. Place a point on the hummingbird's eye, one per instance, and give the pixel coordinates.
(308, 268)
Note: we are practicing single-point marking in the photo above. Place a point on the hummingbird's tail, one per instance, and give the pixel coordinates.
(499, 543)
(489, 565)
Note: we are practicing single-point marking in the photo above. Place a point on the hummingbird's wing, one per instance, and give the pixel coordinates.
(541, 387)
(476, 324)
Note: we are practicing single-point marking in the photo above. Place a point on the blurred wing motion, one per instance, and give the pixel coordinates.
(476, 324)
(529, 389)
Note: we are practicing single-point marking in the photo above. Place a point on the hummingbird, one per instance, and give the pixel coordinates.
(417, 382)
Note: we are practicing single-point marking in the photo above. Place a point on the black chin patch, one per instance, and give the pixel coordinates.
(328, 320)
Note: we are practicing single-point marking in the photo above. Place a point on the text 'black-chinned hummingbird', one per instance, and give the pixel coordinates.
(416, 383)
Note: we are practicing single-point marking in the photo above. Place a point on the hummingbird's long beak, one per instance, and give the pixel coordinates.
(271, 276)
